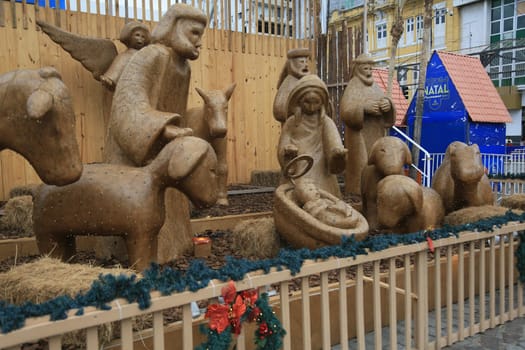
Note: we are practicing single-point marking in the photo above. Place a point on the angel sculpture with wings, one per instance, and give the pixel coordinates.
(100, 56)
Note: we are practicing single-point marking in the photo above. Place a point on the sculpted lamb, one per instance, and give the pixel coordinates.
(405, 206)
(461, 180)
(37, 121)
(112, 199)
(387, 157)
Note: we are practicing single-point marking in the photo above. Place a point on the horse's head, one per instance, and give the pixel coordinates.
(216, 110)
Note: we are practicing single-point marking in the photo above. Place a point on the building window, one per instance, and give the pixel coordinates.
(415, 75)
(409, 31)
(419, 27)
(440, 16)
(381, 35)
(507, 22)
(439, 30)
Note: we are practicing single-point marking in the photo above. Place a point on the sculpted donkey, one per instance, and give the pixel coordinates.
(210, 123)
(461, 180)
(38, 122)
(112, 199)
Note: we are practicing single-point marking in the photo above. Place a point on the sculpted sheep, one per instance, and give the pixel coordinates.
(461, 180)
(387, 157)
(37, 121)
(112, 199)
(405, 206)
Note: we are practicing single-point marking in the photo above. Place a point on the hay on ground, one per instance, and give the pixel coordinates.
(256, 238)
(473, 214)
(48, 278)
(514, 201)
(18, 216)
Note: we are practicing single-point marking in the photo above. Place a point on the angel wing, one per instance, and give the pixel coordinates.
(94, 54)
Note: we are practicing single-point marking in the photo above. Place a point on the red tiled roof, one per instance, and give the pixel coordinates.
(481, 99)
(399, 100)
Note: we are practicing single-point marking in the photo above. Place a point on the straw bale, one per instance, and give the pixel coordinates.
(267, 178)
(48, 278)
(473, 214)
(24, 190)
(256, 238)
(514, 201)
(18, 216)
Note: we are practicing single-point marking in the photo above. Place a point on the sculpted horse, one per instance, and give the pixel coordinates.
(210, 123)
(38, 122)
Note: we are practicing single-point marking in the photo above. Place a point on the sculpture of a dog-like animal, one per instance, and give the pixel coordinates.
(388, 156)
(210, 123)
(461, 180)
(37, 121)
(405, 206)
(111, 199)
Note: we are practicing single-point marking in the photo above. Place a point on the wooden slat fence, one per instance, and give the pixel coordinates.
(236, 48)
(335, 52)
(402, 297)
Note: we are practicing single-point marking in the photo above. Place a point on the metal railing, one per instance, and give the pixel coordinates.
(496, 164)
(427, 171)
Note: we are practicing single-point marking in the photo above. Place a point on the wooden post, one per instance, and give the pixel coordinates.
(421, 324)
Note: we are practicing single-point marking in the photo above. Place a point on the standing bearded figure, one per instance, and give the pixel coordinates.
(295, 68)
(367, 114)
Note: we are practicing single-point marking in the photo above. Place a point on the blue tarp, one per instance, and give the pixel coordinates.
(42, 3)
(445, 118)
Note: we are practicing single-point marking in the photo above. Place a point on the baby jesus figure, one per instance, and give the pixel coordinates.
(334, 213)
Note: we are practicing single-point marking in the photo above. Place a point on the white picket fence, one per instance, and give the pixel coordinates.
(402, 297)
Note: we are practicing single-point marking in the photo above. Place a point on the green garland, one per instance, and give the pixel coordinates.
(520, 176)
(198, 275)
(268, 335)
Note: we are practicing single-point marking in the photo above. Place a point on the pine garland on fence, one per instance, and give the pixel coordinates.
(520, 176)
(167, 280)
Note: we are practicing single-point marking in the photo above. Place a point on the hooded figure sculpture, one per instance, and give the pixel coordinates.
(310, 131)
(295, 68)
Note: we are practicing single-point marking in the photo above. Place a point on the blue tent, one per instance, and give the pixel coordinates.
(456, 90)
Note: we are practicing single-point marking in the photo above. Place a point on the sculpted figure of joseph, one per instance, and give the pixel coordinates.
(153, 90)
(367, 114)
(149, 100)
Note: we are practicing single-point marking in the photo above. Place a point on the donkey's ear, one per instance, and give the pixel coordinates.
(187, 153)
(229, 91)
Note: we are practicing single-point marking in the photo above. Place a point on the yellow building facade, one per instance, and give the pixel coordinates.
(380, 16)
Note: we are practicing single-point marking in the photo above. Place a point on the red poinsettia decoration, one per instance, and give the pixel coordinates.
(234, 309)
(218, 315)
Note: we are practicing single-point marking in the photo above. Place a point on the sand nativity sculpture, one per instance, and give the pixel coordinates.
(161, 154)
